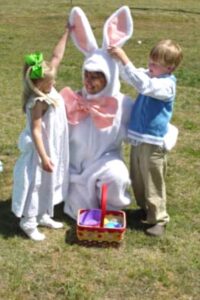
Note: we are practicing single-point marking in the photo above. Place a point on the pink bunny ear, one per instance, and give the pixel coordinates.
(82, 33)
(118, 28)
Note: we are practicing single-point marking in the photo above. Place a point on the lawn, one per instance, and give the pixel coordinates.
(142, 267)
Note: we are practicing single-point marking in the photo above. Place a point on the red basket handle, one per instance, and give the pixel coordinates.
(103, 202)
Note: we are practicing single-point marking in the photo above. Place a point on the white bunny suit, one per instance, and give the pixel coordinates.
(95, 153)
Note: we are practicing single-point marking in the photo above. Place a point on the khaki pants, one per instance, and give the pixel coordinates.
(147, 171)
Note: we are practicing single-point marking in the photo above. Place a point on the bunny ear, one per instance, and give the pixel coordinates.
(82, 33)
(118, 28)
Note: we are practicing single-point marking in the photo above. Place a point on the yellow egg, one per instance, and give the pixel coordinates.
(106, 221)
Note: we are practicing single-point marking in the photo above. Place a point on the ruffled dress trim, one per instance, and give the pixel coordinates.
(47, 99)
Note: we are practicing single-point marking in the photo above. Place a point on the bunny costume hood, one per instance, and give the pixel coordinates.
(100, 61)
(117, 30)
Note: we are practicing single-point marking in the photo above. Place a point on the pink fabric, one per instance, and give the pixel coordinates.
(117, 29)
(80, 33)
(101, 110)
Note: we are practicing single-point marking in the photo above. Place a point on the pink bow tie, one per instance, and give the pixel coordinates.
(102, 110)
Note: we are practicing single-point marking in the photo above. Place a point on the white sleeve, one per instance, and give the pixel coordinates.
(123, 74)
(170, 138)
(33, 100)
(160, 88)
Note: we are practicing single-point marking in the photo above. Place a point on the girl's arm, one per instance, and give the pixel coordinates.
(59, 49)
(37, 112)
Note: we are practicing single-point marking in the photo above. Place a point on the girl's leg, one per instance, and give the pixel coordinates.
(29, 226)
(46, 221)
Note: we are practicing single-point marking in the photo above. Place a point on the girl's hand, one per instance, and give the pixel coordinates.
(47, 165)
(70, 27)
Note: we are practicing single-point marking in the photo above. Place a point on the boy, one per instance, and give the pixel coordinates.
(150, 117)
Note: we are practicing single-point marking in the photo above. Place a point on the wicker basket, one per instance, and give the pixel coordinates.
(97, 232)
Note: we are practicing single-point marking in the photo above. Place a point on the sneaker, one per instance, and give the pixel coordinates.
(46, 221)
(32, 233)
(156, 230)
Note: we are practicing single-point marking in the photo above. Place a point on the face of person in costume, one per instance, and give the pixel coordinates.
(94, 82)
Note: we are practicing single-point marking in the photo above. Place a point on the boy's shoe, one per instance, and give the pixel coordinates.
(32, 233)
(46, 221)
(156, 230)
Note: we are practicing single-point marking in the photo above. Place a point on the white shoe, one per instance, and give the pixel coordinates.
(46, 221)
(32, 233)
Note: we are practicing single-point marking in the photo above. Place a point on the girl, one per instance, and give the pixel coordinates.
(40, 174)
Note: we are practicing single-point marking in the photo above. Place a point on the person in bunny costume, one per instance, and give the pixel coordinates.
(98, 117)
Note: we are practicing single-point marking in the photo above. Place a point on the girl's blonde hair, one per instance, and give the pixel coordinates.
(30, 85)
(168, 53)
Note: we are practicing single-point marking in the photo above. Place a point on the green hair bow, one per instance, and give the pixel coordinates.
(35, 60)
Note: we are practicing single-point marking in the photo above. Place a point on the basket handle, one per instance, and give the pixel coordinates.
(103, 202)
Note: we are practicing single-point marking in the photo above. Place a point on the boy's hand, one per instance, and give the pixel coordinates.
(119, 54)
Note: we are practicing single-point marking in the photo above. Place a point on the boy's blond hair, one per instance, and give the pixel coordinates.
(168, 53)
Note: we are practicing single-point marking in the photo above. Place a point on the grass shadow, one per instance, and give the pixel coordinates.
(8, 222)
(134, 219)
(59, 215)
(70, 235)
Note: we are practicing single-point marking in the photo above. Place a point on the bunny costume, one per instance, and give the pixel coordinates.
(95, 151)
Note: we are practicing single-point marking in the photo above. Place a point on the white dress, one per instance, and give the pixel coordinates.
(36, 191)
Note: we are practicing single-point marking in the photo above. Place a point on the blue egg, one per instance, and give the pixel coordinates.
(110, 225)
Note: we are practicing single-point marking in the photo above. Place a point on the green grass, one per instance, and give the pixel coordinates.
(142, 268)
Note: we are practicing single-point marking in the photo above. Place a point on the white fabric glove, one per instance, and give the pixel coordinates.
(171, 137)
